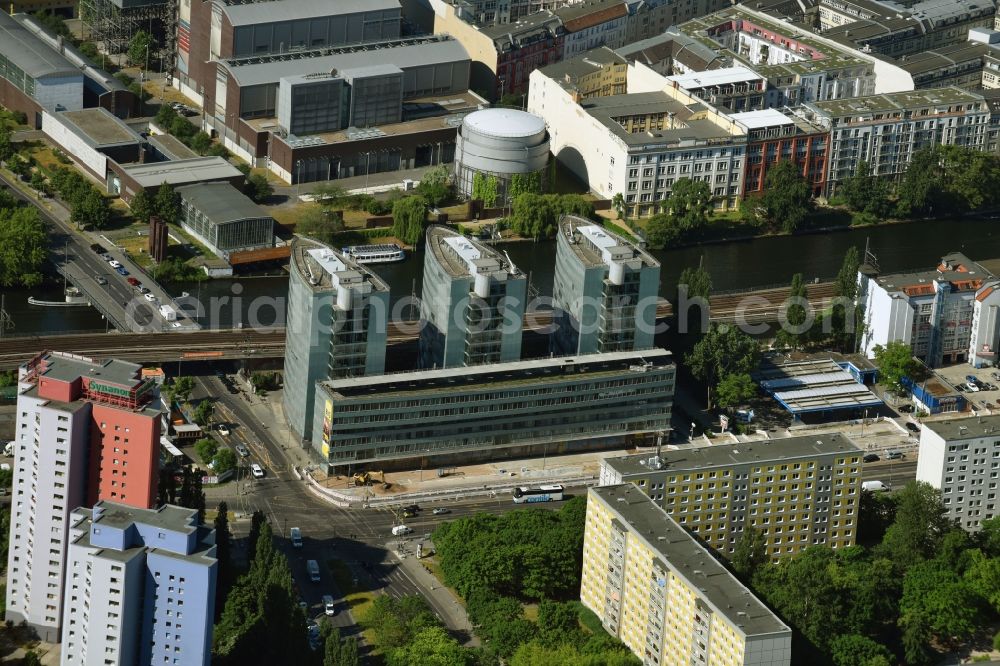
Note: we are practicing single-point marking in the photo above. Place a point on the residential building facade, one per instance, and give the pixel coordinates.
(660, 591)
(946, 315)
(86, 431)
(338, 314)
(472, 303)
(489, 412)
(798, 492)
(605, 291)
(772, 137)
(140, 587)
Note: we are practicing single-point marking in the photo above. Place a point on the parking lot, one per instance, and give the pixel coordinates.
(987, 387)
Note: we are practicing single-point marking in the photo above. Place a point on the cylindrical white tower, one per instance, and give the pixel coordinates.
(499, 143)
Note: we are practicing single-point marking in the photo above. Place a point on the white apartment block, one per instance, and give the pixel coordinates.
(140, 587)
(639, 145)
(50, 480)
(947, 315)
(961, 458)
(886, 130)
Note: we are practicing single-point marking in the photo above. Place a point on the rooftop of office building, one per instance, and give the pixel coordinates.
(464, 257)
(690, 560)
(325, 268)
(588, 62)
(965, 428)
(167, 517)
(675, 45)
(896, 102)
(727, 455)
(594, 245)
(587, 14)
(944, 57)
(688, 123)
(253, 13)
(955, 268)
(506, 35)
(154, 174)
(498, 375)
(66, 367)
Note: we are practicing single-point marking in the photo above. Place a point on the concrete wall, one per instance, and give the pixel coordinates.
(887, 319)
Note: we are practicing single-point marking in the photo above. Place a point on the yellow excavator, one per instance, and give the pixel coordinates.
(367, 478)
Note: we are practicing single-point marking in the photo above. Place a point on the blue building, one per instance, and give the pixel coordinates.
(140, 587)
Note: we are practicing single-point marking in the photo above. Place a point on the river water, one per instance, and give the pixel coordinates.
(734, 265)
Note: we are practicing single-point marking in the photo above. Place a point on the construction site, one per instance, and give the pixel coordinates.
(111, 25)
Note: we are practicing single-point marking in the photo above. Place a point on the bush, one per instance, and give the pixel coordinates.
(224, 460)
(206, 449)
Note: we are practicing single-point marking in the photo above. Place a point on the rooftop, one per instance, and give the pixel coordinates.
(181, 172)
(690, 560)
(816, 385)
(496, 375)
(715, 77)
(66, 367)
(761, 119)
(503, 34)
(221, 202)
(167, 517)
(677, 46)
(945, 57)
(417, 126)
(597, 246)
(965, 428)
(464, 257)
(769, 451)
(587, 14)
(324, 268)
(955, 268)
(505, 123)
(255, 13)
(406, 53)
(171, 147)
(584, 64)
(898, 101)
(99, 128)
(29, 53)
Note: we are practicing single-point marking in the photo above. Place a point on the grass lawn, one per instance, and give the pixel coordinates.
(358, 601)
(136, 247)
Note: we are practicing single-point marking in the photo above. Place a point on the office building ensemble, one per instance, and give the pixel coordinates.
(659, 590)
(86, 431)
(605, 291)
(798, 492)
(961, 458)
(946, 315)
(140, 587)
(472, 303)
(486, 412)
(338, 314)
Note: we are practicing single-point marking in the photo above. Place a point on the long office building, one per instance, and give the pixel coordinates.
(798, 492)
(659, 590)
(338, 313)
(488, 412)
(948, 314)
(605, 291)
(961, 458)
(472, 303)
(86, 431)
(140, 587)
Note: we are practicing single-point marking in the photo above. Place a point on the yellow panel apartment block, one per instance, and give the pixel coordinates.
(798, 491)
(665, 595)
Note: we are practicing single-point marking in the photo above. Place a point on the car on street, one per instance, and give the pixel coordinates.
(106, 257)
(412, 508)
(175, 324)
(912, 427)
(315, 637)
(871, 457)
(990, 386)
(100, 279)
(132, 281)
(223, 429)
(440, 511)
(894, 455)
(906, 409)
(149, 297)
(114, 263)
(99, 249)
(295, 534)
(256, 471)
(121, 271)
(972, 387)
(243, 451)
(143, 290)
(329, 607)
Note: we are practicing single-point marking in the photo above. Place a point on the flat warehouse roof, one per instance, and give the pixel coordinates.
(221, 202)
(815, 385)
(182, 171)
(99, 128)
(296, 10)
(29, 53)
(827, 398)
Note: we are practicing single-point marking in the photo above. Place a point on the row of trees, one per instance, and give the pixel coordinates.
(88, 205)
(221, 459)
(185, 131)
(165, 204)
(23, 243)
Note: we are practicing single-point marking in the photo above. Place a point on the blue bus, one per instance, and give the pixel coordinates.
(541, 494)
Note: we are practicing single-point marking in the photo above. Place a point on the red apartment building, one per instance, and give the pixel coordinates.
(772, 137)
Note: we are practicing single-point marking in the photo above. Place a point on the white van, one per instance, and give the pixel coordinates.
(329, 608)
(312, 566)
(296, 536)
(874, 486)
(401, 530)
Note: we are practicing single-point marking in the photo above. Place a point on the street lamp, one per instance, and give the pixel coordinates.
(298, 177)
(368, 168)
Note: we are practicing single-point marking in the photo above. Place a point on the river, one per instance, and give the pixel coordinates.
(734, 265)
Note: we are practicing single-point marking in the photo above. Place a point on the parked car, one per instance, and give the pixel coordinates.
(106, 257)
(312, 566)
(440, 511)
(121, 271)
(175, 324)
(329, 607)
(871, 457)
(972, 387)
(990, 386)
(114, 263)
(906, 409)
(912, 427)
(413, 508)
(971, 379)
(143, 290)
(296, 536)
(99, 249)
(408, 514)
(223, 429)
(149, 297)
(895, 454)
(874, 486)
(243, 451)
(100, 279)
(257, 471)
(132, 281)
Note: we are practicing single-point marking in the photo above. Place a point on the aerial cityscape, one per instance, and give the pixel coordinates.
(500, 332)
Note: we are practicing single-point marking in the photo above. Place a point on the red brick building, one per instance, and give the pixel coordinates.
(772, 137)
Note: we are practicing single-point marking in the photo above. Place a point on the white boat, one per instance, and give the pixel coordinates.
(375, 254)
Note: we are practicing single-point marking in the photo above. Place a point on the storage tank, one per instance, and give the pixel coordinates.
(499, 143)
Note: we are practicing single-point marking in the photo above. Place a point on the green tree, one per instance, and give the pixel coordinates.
(167, 203)
(6, 147)
(38, 182)
(989, 536)
(180, 389)
(724, 350)
(206, 448)
(689, 204)
(142, 206)
(200, 143)
(876, 512)
(534, 216)
(224, 460)
(92, 209)
(796, 313)
(484, 188)
(940, 602)
(23, 247)
(920, 185)
(983, 577)
(662, 231)
(409, 220)
(846, 292)
(920, 524)
(895, 361)
(558, 623)
(203, 412)
(31, 658)
(320, 224)
(786, 196)
(750, 553)
(521, 183)
(224, 554)
(734, 389)
(55, 23)
(140, 47)
(618, 203)
(431, 646)
(258, 188)
(698, 282)
(435, 186)
(857, 650)
(165, 116)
